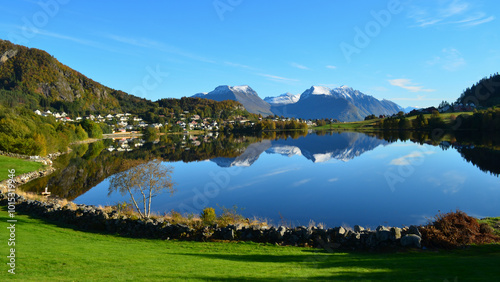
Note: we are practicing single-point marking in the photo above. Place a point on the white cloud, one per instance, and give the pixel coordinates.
(236, 65)
(413, 158)
(451, 60)
(302, 67)
(331, 67)
(159, 46)
(333, 179)
(448, 12)
(301, 182)
(276, 172)
(408, 85)
(480, 21)
(277, 78)
(450, 181)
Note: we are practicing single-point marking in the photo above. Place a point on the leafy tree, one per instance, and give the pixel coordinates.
(93, 129)
(150, 134)
(80, 133)
(147, 179)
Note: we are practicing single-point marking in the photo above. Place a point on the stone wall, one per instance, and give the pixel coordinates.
(27, 177)
(91, 218)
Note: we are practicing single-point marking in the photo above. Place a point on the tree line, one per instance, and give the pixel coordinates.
(486, 120)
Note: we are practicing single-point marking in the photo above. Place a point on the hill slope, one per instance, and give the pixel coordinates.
(485, 93)
(33, 77)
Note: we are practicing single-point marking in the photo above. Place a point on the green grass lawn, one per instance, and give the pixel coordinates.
(368, 124)
(21, 166)
(46, 252)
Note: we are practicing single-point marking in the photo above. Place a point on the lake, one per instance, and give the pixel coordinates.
(334, 178)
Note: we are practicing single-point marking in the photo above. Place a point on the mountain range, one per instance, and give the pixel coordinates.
(318, 102)
(34, 77)
(318, 149)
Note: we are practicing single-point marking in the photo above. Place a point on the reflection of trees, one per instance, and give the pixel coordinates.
(482, 149)
(485, 159)
(147, 179)
(86, 166)
(89, 164)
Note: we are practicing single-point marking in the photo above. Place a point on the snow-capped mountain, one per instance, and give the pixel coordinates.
(283, 99)
(249, 156)
(318, 149)
(243, 94)
(342, 103)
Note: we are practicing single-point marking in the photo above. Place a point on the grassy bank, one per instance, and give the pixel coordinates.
(368, 125)
(46, 252)
(21, 166)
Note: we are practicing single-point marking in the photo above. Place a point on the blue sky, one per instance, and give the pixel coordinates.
(416, 53)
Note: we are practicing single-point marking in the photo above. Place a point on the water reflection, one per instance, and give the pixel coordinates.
(329, 177)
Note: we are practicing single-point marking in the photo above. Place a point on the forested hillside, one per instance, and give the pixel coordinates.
(32, 79)
(485, 93)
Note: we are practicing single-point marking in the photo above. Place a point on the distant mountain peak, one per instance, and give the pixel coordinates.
(283, 99)
(241, 93)
(242, 88)
(221, 89)
(320, 90)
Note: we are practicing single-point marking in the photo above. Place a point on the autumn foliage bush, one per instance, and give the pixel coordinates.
(456, 229)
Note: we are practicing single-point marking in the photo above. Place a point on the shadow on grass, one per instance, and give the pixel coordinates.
(52, 222)
(474, 262)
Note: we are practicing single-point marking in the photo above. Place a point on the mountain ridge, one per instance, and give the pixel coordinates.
(44, 81)
(243, 94)
(318, 102)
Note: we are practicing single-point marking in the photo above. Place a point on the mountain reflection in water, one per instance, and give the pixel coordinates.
(331, 177)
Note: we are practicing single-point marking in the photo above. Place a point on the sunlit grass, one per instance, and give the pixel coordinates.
(21, 166)
(46, 252)
(367, 125)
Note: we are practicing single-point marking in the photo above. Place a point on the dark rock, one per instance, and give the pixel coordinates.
(414, 230)
(411, 240)
(229, 234)
(358, 228)
(395, 233)
(383, 235)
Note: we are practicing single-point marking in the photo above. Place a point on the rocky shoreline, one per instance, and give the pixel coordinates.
(27, 177)
(91, 218)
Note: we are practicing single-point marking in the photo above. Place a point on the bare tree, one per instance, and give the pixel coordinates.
(147, 179)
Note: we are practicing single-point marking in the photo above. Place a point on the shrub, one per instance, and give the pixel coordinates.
(456, 229)
(230, 216)
(208, 216)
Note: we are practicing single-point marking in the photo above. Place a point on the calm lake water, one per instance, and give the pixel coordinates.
(335, 179)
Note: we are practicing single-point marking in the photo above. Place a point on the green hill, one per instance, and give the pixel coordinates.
(32, 79)
(485, 93)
